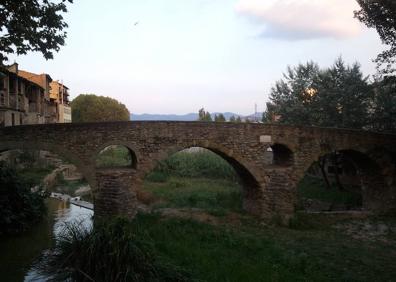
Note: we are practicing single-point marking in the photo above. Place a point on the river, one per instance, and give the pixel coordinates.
(18, 253)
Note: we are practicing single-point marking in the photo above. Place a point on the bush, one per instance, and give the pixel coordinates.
(116, 250)
(19, 206)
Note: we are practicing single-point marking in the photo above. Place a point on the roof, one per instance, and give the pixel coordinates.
(39, 79)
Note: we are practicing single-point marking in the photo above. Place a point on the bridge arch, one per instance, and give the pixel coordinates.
(252, 192)
(359, 167)
(115, 156)
(65, 154)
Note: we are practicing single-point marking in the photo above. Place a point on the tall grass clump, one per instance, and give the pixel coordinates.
(116, 250)
(195, 164)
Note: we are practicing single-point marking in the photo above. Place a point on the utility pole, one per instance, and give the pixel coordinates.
(255, 112)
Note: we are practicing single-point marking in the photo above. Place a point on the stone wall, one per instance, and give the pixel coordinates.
(269, 187)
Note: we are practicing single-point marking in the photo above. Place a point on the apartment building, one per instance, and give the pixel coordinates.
(25, 98)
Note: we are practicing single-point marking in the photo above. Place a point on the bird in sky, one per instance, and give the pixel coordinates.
(136, 23)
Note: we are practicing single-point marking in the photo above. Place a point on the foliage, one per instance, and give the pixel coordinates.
(252, 252)
(112, 251)
(92, 108)
(235, 119)
(114, 156)
(204, 116)
(200, 163)
(219, 118)
(33, 176)
(335, 97)
(208, 194)
(383, 116)
(31, 25)
(20, 207)
(314, 188)
(381, 15)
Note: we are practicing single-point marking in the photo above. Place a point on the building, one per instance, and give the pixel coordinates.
(59, 94)
(25, 98)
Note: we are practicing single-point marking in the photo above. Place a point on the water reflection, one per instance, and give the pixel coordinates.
(19, 252)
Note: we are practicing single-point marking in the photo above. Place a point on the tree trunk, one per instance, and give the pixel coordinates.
(322, 165)
(336, 174)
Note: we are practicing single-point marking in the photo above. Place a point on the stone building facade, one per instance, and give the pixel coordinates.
(25, 98)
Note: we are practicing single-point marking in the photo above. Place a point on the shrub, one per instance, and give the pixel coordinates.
(19, 206)
(116, 250)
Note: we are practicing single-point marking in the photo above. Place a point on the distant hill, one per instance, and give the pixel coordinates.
(186, 117)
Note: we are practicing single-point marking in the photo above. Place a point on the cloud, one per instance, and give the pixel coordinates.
(302, 19)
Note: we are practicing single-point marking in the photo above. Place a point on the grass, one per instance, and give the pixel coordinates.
(114, 156)
(34, 175)
(254, 253)
(113, 251)
(314, 188)
(207, 194)
(69, 187)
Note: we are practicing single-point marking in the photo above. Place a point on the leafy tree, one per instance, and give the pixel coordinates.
(335, 97)
(232, 119)
(291, 97)
(204, 116)
(219, 118)
(20, 207)
(92, 108)
(343, 96)
(384, 105)
(381, 15)
(31, 25)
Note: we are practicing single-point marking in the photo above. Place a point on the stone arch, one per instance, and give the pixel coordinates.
(85, 169)
(128, 145)
(131, 155)
(279, 154)
(249, 174)
(374, 191)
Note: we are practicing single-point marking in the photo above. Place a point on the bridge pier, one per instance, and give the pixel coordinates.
(115, 194)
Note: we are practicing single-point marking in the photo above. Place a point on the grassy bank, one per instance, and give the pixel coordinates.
(257, 253)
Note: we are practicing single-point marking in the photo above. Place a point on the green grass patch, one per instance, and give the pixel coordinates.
(33, 175)
(251, 253)
(209, 194)
(69, 187)
(114, 156)
(315, 188)
(197, 164)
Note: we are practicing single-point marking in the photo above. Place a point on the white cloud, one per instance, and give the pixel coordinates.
(303, 19)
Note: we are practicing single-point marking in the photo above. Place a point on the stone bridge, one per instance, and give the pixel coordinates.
(269, 188)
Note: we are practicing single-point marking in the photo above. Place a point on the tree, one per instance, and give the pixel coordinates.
(20, 207)
(232, 119)
(381, 15)
(219, 118)
(384, 105)
(238, 119)
(31, 25)
(92, 108)
(338, 96)
(203, 115)
(291, 97)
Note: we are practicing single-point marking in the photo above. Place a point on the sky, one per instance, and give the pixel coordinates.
(182, 55)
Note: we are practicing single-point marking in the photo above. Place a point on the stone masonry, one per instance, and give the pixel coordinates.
(269, 188)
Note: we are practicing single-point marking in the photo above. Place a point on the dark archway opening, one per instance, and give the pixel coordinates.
(279, 155)
(203, 179)
(341, 181)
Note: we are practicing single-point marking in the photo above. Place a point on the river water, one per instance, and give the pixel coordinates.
(18, 253)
